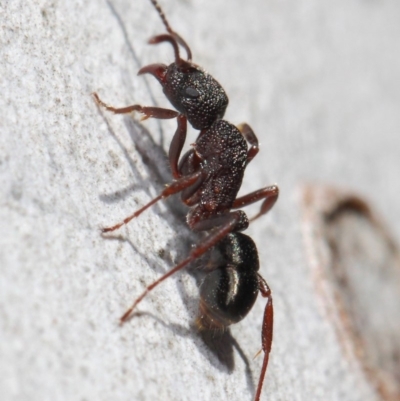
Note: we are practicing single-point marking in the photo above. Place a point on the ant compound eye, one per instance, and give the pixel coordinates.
(191, 92)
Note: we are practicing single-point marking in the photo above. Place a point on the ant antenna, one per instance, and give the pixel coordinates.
(175, 35)
(162, 16)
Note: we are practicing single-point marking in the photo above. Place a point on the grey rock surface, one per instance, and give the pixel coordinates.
(320, 85)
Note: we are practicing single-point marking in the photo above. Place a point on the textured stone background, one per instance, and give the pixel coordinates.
(320, 84)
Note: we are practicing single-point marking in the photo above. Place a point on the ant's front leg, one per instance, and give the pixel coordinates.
(179, 138)
(146, 111)
(176, 146)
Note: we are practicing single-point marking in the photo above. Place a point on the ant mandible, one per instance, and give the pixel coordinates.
(209, 177)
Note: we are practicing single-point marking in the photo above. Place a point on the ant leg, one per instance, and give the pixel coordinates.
(267, 330)
(173, 188)
(176, 146)
(179, 138)
(270, 194)
(231, 221)
(251, 138)
(154, 112)
(196, 224)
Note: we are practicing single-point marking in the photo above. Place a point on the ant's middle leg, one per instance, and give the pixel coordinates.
(225, 224)
(251, 138)
(146, 111)
(269, 194)
(171, 189)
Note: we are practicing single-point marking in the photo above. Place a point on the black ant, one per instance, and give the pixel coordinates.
(209, 177)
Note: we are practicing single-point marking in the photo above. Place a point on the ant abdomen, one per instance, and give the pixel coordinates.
(228, 293)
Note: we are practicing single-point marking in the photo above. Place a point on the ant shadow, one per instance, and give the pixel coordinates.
(152, 155)
(220, 343)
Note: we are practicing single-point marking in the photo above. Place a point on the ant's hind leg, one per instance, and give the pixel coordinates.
(227, 224)
(269, 194)
(267, 332)
(147, 112)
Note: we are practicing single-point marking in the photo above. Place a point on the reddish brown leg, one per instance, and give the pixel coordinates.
(176, 146)
(267, 331)
(179, 138)
(230, 223)
(270, 194)
(171, 189)
(251, 138)
(154, 112)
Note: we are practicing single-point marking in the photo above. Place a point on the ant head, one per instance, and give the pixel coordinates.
(192, 91)
(195, 94)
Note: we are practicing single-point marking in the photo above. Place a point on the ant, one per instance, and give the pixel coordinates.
(209, 177)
